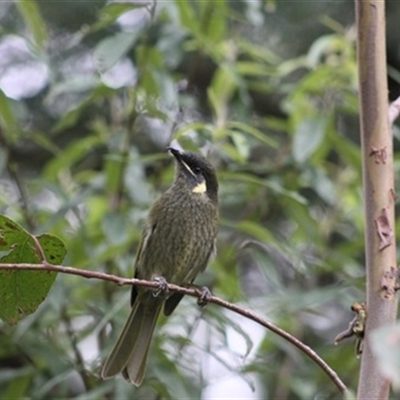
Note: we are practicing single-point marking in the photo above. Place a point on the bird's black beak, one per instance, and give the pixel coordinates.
(176, 153)
(180, 157)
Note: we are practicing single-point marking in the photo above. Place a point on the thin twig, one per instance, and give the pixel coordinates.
(12, 171)
(194, 292)
(78, 355)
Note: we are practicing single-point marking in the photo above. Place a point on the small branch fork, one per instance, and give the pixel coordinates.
(194, 292)
(356, 327)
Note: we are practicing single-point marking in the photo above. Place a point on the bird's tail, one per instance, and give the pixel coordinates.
(129, 354)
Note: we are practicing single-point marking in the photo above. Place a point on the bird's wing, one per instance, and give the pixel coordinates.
(147, 232)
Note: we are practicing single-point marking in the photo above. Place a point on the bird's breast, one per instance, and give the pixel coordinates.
(182, 240)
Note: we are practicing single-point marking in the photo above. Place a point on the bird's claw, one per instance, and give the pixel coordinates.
(204, 297)
(162, 286)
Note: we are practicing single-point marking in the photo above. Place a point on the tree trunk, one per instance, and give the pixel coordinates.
(379, 196)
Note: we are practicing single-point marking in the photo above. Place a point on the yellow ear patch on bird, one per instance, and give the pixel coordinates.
(200, 187)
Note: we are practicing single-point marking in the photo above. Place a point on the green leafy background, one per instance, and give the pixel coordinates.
(268, 90)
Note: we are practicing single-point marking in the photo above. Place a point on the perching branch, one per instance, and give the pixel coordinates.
(194, 292)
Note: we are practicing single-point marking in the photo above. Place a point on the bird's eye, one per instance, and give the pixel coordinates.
(197, 170)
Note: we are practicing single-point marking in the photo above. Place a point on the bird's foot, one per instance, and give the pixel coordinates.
(204, 296)
(162, 286)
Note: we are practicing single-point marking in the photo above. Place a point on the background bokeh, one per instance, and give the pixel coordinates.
(92, 93)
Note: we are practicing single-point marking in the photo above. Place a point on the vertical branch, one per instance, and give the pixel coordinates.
(377, 154)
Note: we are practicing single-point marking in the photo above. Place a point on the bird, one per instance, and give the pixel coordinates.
(177, 243)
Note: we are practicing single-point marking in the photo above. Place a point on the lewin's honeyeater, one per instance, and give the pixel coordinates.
(177, 243)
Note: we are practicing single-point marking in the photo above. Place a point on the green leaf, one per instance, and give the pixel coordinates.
(18, 387)
(188, 17)
(188, 129)
(74, 85)
(242, 145)
(306, 224)
(256, 230)
(112, 49)
(276, 187)
(21, 292)
(329, 44)
(31, 15)
(308, 136)
(109, 14)
(53, 248)
(214, 14)
(256, 133)
(233, 152)
(257, 52)
(251, 68)
(7, 118)
(225, 82)
(71, 155)
(71, 117)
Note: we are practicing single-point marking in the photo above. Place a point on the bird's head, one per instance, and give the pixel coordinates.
(196, 173)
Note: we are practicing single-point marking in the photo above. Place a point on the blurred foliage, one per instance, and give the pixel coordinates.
(386, 346)
(92, 92)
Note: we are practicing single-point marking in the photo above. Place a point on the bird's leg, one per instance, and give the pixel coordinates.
(204, 296)
(162, 286)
